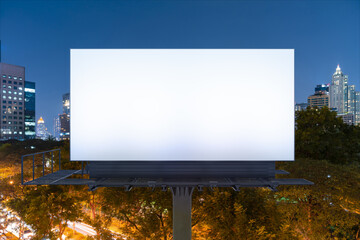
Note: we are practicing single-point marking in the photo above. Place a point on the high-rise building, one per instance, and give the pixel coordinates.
(12, 101)
(351, 98)
(65, 118)
(66, 103)
(57, 128)
(322, 89)
(29, 110)
(321, 97)
(338, 91)
(357, 108)
(301, 106)
(41, 130)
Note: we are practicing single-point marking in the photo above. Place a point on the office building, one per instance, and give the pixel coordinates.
(301, 106)
(57, 128)
(338, 91)
(348, 118)
(65, 118)
(321, 97)
(41, 130)
(29, 117)
(12, 101)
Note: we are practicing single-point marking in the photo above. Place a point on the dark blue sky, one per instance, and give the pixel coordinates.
(39, 34)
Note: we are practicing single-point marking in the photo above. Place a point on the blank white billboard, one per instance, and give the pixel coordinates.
(182, 104)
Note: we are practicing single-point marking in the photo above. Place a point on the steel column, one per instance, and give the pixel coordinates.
(182, 197)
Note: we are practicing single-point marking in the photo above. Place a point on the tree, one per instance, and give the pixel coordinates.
(320, 134)
(47, 209)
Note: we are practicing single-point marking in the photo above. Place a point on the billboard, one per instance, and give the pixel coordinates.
(182, 105)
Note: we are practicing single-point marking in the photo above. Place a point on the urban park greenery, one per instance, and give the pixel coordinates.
(327, 153)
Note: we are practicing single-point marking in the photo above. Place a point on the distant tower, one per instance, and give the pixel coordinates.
(41, 130)
(57, 128)
(338, 91)
(65, 118)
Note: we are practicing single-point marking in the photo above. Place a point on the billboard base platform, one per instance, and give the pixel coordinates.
(180, 177)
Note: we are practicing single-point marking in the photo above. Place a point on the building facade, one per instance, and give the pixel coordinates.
(12, 102)
(65, 118)
(301, 106)
(321, 97)
(29, 117)
(41, 130)
(338, 91)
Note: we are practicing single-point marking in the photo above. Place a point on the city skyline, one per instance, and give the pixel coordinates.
(39, 35)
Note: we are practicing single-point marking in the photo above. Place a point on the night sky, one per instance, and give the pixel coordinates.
(40, 34)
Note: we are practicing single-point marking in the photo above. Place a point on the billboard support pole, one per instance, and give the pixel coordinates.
(182, 196)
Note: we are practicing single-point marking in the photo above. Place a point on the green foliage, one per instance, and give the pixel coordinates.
(320, 134)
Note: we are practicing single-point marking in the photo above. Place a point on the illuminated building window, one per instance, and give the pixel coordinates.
(4, 91)
(9, 77)
(9, 86)
(20, 98)
(4, 86)
(15, 93)
(9, 97)
(20, 93)
(15, 78)
(4, 96)
(9, 92)
(4, 76)
(20, 88)
(20, 78)
(15, 98)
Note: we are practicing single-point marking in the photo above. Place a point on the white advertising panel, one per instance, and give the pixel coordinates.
(182, 104)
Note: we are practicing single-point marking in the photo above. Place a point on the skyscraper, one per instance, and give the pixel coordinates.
(321, 97)
(65, 118)
(57, 128)
(338, 91)
(41, 130)
(30, 110)
(12, 101)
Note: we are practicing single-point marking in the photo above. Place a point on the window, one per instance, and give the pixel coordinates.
(20, 78)
(4, 96)
(4, 76)
(9, 97)
(15, 87)
(9, 92)
(15, 108)
(20, 83)
(15, 122)
(20, 118)
(9, 102)
(9, 87)
(15, 78)
(9, 77)
(4, 91)
(15, 93)
(4, 122)
(20, 128)
(15, 82)
(4, 107)
(4, 81)
(15, 98)
(20, 103)
(20, 93)
(20, 88)
(15, 112)
(4, 101)
(20, 132)
(20, 123)
(20, 112)
(10, 117)
(15, 117)
(20, 108)
(9, 122)
(9, 82)
(20, 98)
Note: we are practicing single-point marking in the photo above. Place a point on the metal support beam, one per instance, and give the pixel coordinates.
(182, 197)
